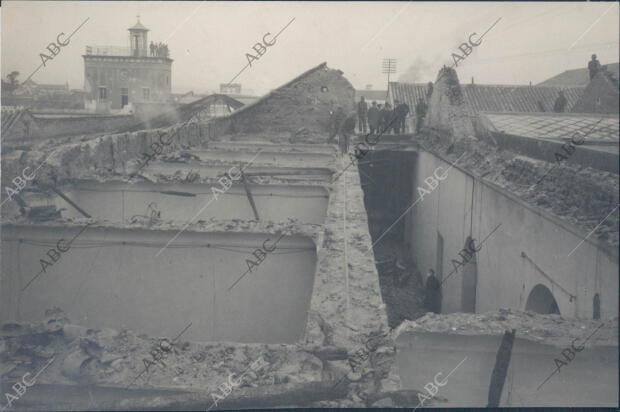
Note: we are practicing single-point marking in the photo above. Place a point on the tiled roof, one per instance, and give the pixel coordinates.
(185, 112)
(410, 93)
(10, 116)
(576, 77)
(602, 128)
(495, 98)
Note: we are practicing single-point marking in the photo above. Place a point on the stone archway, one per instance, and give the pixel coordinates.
(541, 300)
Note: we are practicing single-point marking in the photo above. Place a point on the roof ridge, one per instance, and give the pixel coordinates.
(273, 91)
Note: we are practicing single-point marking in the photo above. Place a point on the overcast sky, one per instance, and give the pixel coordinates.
(208, 40)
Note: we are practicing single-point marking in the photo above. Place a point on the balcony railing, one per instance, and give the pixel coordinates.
(112, 51)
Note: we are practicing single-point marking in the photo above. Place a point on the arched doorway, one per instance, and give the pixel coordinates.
(470, 282)
(541, 300)
(596, 309)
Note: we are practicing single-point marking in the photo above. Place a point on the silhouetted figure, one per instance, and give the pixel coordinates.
(346, 130)
(401, 111)
(429, 90)
(373, 117)
(560, 103)
(594, 66)
(152, 47)
(420, 114)
(362, 115)
(386, 118)
(432, 297)
(335, 121)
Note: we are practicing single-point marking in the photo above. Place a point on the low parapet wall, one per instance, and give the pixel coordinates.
(546, 150)
(53, 126)
(590, 379)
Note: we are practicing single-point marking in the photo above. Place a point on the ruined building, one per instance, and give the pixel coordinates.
(247, 237)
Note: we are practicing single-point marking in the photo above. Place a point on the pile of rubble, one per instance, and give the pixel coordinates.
(122, 358)
(582, 196)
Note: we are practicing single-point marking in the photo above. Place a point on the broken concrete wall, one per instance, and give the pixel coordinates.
(447, 110)
(107, 155)
(591, 379)
(44, 127)
(585, 156)
(438, 343)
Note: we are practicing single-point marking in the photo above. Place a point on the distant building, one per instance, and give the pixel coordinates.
(371, 95)
(115, 77)
(577, 77)
(233, 88)
(37, 96)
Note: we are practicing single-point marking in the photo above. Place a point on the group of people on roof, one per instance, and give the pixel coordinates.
(381, 119)
(376, 119)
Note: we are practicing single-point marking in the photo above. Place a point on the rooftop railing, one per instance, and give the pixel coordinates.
(112, 51)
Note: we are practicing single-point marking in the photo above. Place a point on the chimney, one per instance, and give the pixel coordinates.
(472, 79)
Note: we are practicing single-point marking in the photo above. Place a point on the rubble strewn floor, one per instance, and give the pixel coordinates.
(402, 290)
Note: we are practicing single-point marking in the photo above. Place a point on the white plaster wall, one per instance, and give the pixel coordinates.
(126, 285)
(591, 379)
(505, 279)
(118, 202)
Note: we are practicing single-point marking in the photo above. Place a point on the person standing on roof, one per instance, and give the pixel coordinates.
(594, 66)
(335, 121)
(386, 118)
(373, 117)
(347, 129)
(362, 115)
(401, 110)
(432, 297)
(420, 113)
(560, 103)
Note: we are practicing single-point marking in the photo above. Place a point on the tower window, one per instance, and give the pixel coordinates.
(103, 93)
(146, 93)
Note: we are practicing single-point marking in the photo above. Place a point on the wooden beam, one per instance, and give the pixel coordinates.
(249, 195)
(71, 202)
(500, 370)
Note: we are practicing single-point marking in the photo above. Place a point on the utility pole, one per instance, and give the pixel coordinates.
(389, 66)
